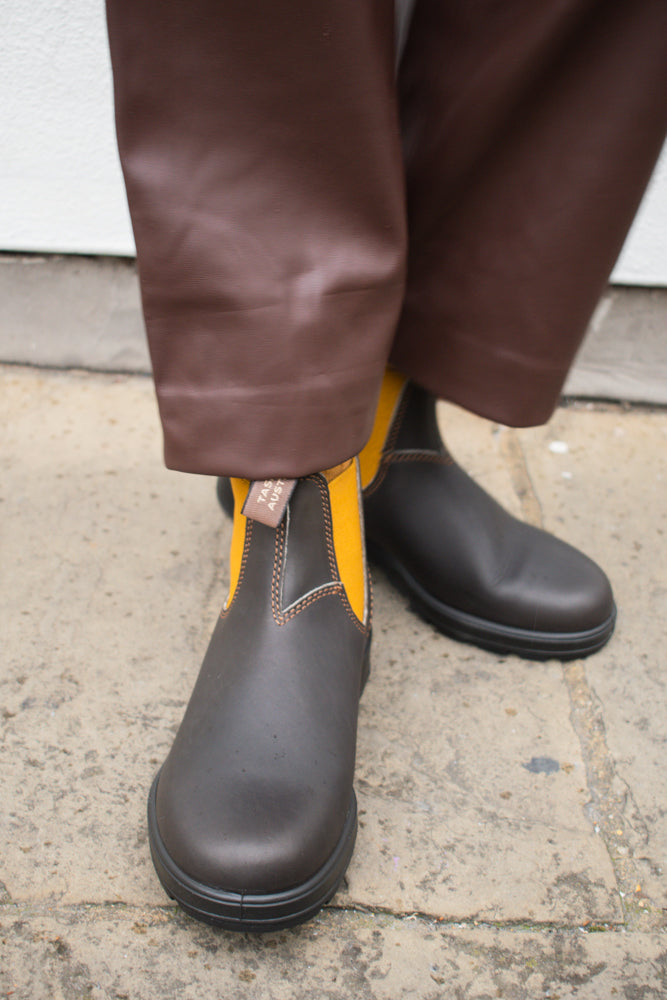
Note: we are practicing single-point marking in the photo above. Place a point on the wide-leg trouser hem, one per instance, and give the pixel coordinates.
(521, 195)
(286, 422)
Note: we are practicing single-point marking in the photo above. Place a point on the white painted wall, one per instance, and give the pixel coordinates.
(61, 187)
(644, 257)
(60, 183)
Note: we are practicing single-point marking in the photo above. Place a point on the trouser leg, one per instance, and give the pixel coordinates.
(265, 182)
(530, 132)
(261, 154)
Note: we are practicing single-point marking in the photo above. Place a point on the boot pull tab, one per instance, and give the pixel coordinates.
(267, 500)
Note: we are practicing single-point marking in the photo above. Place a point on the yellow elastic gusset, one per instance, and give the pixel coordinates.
(369, 458)
(345, 494)
(240, 489)
(330, 474)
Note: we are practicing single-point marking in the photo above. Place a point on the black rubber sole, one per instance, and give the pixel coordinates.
(249, 912)
(498, 638)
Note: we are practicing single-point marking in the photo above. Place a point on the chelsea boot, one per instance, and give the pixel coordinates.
(252, 818)
(467, 565)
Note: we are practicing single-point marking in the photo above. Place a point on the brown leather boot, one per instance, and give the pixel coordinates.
(252, 819)
(474, 571)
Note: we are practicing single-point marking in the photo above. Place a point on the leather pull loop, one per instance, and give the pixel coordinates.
(267, 500)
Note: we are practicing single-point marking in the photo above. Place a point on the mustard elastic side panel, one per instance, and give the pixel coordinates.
(349, 544)
(369, 458)
(240, 489)
(336, 470)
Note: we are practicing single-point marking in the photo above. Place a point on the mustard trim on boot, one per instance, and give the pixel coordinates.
(348, 536)
(393, 384)
(347, 526)
(240, 489)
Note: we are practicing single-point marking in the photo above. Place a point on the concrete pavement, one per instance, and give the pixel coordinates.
(513, 835)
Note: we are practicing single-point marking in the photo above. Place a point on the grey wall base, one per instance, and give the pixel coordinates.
(71, 312)
(84, 312)
(624, 354)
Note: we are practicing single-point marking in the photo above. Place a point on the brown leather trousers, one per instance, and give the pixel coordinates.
(303, 214)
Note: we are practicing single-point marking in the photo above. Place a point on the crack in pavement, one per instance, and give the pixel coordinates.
(612, 808)
(153, 915)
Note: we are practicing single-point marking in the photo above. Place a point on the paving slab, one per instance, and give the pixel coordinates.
(471, 787)
(106, 563)
(86, 954)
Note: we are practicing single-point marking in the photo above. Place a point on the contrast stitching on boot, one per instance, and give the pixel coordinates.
(328, 531)
(335, 588)
(436, 458)
(333, 562)
(362, 626)
(396, 423)
(242, 569)
(280, 616)
(319, 591)
(331, 585)
(379, 478)
(280, 563)
(284, 554)
(278, 552)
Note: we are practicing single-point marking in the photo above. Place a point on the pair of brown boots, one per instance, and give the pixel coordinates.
(252, 818)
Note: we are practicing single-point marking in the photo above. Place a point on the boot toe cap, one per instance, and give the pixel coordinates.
(556, 588)
(249, 839)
